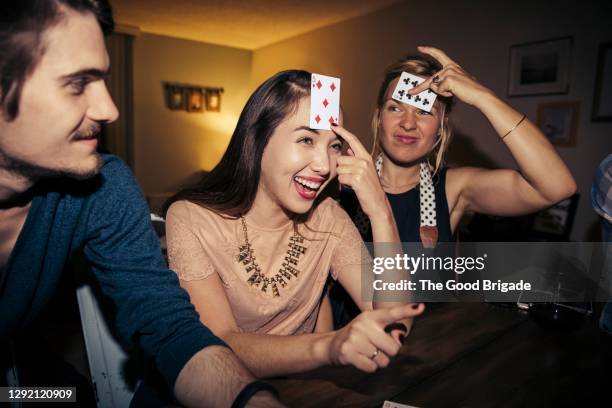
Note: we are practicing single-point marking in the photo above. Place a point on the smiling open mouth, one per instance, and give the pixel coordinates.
(307, 189)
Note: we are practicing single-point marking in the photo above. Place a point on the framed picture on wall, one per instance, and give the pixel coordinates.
(195, 100)
(602, 101)
(540, 68)
(555, 223)
(175, 97)
(558, 121)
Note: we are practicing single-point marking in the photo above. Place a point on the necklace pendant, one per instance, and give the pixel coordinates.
(291, 260)
(244, 254)
(253, 279)
(301, 249)
(288, 269)
(284, 273)
(296, 238)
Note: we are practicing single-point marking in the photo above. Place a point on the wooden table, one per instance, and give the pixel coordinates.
(472, 355)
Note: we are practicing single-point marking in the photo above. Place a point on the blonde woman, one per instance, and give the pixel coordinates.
(429, 199)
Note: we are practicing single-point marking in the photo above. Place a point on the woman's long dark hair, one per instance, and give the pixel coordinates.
(230, 188)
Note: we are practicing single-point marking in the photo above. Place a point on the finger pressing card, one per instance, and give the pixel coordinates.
(423, 100)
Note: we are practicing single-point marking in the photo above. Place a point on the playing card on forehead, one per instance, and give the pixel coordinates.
(423, 100)
(324, 101)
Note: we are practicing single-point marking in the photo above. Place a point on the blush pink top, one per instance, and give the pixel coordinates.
(202, 242)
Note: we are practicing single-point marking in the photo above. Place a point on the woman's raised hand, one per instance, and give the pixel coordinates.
(357, 171)
(452, 80)
(364, 343)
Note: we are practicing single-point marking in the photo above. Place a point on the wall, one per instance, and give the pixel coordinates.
(477, 34)
(171, 146)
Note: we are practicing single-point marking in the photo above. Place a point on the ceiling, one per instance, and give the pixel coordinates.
(248, 24)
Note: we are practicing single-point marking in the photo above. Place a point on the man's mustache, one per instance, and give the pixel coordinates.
(90, 132)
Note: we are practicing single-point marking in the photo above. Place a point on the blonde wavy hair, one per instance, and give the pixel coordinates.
(425, 67)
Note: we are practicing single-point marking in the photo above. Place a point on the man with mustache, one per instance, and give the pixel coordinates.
(59, 196)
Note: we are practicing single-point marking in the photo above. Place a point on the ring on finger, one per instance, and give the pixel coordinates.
(374, 354)
(436, 80)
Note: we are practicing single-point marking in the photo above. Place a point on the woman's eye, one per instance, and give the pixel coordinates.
(337, 147)
(307, 140)
(423, 112)
(393, 108)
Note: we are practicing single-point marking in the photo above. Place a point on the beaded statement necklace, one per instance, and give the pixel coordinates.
(289, 267)
(428, 230)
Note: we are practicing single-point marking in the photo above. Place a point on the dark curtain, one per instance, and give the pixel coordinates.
(118, 137)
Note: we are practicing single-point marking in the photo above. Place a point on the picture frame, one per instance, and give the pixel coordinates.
(559, 121)
(540, 68)
(555, 223)
(213, 100)
(195, 100)
(602, 97)
(175, 97)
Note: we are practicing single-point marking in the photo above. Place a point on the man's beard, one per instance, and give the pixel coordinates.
(34, 172)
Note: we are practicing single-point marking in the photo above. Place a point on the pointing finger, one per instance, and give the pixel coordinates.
(423, 86)
(438, 54)
(386, 316)
(354, 143)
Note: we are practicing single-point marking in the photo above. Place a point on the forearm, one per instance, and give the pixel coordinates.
(269, 355)
(387, 245)
(213, 377)
(384, 228)
(539, 163)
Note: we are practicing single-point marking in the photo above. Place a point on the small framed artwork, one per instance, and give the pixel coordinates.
(175, 97)
(555, 223)
(195, 100)
(602, 102)
(540, 68)
(213, 100)
(558, 121)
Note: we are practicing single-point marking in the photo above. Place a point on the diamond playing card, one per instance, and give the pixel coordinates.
(324, 101)
(423, 100)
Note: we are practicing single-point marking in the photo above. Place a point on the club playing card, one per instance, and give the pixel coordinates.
(324, 101)
(423, 100)
(391, 404)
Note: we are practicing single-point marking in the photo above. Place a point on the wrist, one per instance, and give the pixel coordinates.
(249, 391)
(382, 214)
(321, 348)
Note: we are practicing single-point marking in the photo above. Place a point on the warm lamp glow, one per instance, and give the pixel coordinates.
(218, 131)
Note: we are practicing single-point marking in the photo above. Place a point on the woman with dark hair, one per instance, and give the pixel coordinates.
(253, 243)
(429, 200)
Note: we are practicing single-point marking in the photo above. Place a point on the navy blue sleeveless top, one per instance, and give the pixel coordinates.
(406, 210)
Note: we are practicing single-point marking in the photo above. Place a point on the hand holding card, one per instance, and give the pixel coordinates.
(423, 100)
(324, 101)
(452, 80)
